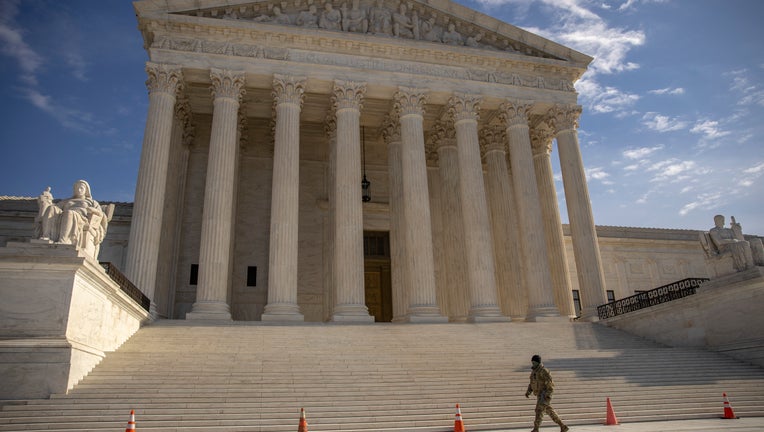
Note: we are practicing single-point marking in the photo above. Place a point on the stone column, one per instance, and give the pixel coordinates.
(478, 242)
(217, 215)
(392, 134)
(350, 303)
(534, 255)
(453, 256)
(541, 142)
(420, 271)
(164, 83)
(591, 280)
(503, 221)
(282, 262)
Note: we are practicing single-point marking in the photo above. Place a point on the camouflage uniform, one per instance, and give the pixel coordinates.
(542, 386)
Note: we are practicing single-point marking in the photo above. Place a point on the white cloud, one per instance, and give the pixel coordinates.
(641, 153)
(705, 201)
(12, 43)
(709, 129)
(756, 169)
(598, 173)
(604, 100)
(661, 123)
(67, 117)
(667, 91)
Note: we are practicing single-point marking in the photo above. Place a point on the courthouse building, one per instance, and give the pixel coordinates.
(265, 120)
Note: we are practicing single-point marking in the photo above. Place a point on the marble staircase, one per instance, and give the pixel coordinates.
(226, 377)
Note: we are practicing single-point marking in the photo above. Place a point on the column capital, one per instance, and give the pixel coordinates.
(444, 135)
(564, 117)
(542, 135)
(330, 126)
(164, 78)
(515, 112)
(288, 89)
(463, 106)
(493, 138)
(409, 101)
(185, 117)
(227, 84)
(348, 94)
(391, 130)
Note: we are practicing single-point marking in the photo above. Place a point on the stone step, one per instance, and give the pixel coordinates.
(235, 377)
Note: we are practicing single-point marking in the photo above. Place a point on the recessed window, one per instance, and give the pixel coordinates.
(577, 302)
(610, 296)
(194, 274)
(252, 276)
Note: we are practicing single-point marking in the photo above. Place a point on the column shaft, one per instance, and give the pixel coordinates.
(555, 243)
(591, 280)
(534, 254)
(145, 228)
(217, 215)
(454, 259)
(499, 190)
(420, 271)
(398, 263)
(477, 229)
(350, 304)
(282, 263)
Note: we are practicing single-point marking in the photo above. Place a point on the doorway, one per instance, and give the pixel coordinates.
(377, 278)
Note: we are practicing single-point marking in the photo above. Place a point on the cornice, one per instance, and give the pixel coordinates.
(291, 43)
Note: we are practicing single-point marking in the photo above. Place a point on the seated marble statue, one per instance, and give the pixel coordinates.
(721, 242)
(78, 220)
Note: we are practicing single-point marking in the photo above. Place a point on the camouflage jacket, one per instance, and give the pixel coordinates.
(541, 381)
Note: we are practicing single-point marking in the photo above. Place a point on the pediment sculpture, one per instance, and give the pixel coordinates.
(79, 220)
(728, 251)
(405, 20)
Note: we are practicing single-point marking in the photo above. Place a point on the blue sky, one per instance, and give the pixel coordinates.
(671, 132)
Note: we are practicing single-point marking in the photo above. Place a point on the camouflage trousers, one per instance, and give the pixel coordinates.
(541, 409)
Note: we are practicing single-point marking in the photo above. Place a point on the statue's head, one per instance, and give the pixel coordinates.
(81, 188)
(719, 221)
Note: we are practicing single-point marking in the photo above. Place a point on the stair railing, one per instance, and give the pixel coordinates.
(666, 293)
(125, 285)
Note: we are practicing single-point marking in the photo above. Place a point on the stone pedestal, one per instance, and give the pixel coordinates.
(59, 316)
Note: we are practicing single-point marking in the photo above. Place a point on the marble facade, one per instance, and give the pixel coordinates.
(252, 160)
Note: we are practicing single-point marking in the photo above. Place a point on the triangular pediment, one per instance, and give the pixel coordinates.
(434, 22)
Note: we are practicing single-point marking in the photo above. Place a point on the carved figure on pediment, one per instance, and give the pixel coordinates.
(429, 31)
(308, 18)
(451, 36)
(380, 19)
(331, 19)
(78, 220)
(230, 14)
(354, 20)
(403, 25)
(474, 41)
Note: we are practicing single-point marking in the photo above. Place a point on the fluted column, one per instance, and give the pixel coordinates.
(534, 257)
(499, 190)
(452, 253)
(391, 133)
(541, 142)
(282, 262)
(420, 272)
(350, 303)
(217, 215)
(591, 280)
(164, 82)
(478, 241)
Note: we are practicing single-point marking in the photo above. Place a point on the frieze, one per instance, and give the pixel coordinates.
(401, 20)
(496, 70)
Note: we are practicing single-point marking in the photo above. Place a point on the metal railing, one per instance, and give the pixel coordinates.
(125, 285)
(666, 293)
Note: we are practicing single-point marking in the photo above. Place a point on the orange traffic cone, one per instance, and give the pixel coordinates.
(131, 422)
(611, 419)
(303, 427)
(458, 423)
(728, 413)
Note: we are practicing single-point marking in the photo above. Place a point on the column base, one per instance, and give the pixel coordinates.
(352, 314)
(545, 314)
(486, 314)
(209, 310)
(287, 312)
